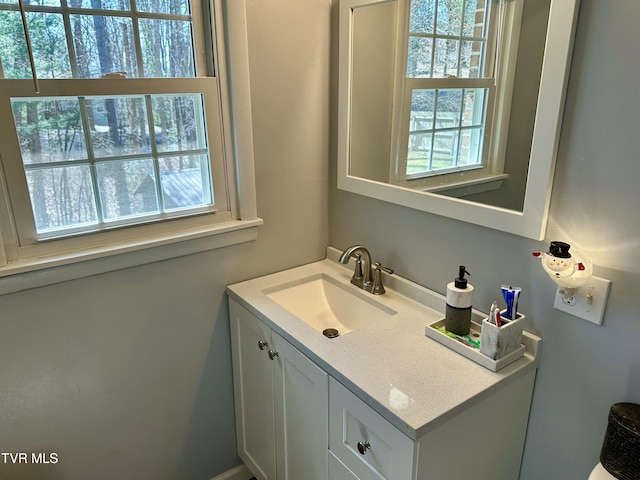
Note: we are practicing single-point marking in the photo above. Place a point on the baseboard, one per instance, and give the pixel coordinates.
(241, 472)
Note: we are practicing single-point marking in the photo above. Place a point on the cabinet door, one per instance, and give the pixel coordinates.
(253, 388)
(301, 392)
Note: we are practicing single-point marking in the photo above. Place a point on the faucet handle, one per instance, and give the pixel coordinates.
(358, 277)
(377, 288)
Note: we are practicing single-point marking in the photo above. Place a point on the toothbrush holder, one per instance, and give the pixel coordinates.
(497, 342)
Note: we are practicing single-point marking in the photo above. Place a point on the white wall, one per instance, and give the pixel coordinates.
(128, 374)
(585, 368)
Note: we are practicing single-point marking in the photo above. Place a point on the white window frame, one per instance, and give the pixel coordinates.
(461, 181)
(89, 254)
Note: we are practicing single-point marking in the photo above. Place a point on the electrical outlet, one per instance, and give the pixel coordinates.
(588, 302)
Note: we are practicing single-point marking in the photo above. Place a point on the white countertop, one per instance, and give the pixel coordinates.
(410, 379)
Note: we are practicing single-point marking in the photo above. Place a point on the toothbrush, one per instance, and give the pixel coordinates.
(492, 312)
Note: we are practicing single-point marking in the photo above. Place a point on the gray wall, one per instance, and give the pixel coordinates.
(585, 368)
(373, 61)
(128, 374)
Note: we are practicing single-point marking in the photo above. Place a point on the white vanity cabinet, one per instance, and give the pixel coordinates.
(381, 402)
(289, 410)
(281, 403)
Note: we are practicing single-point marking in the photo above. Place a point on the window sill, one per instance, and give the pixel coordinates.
(38, 272)
(470, 187)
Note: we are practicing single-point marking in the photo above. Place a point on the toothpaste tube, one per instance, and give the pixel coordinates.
(511, 295)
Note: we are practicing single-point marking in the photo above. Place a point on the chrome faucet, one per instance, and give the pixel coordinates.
(362, 275)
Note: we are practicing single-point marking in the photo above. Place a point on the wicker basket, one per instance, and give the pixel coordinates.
(620, 454)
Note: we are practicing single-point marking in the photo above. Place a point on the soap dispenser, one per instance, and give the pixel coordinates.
(458, 310)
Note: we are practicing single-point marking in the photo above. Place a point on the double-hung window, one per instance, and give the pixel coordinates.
(455, 84)
(120, 130)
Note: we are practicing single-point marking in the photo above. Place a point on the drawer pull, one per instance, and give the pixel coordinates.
(363, 447)
(262, 344)
(272, 354)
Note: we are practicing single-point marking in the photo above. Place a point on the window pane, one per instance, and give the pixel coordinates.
(471, 59)
(448, 109)
(182, 181)
(48, 3)
(445, 58)
(474, 106)
(179, 122)
(422, 107)
(422, 16)
(119, 126)
(419, 153)
(419, 121)
(61, 197)
(49, 130)
(474, 18)
(103, 44)
(449, 17)
(471, 147)
(13, 54)
(180, 7)
(101, 4)
(49, 45)
(127, 188)
(445, 147)
(167, 48)
(419, 57)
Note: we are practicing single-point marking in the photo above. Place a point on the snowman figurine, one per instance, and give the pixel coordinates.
(568, 270)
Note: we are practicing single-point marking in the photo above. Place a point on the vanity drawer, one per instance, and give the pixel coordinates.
(370, 446)
(337, 469)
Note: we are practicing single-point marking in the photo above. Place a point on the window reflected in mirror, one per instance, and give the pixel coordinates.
(434, 88)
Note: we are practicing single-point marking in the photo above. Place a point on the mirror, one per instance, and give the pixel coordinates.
(493, 169)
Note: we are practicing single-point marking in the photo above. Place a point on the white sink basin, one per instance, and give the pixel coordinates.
(324, 303)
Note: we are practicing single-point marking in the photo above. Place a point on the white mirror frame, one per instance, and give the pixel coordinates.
(531, 222)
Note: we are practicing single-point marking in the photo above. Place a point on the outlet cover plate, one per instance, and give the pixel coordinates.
(579, 305)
